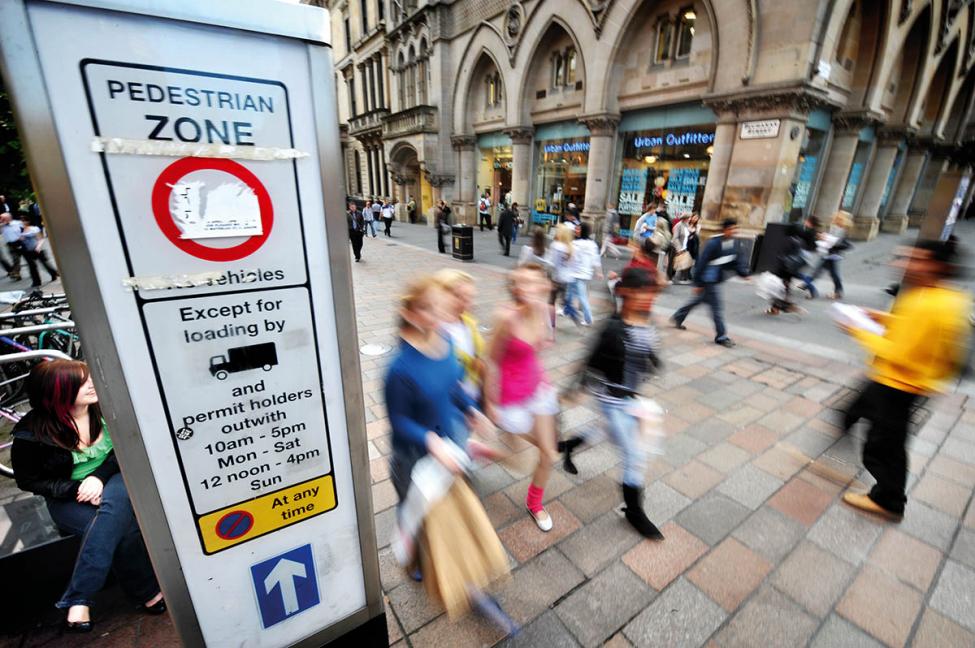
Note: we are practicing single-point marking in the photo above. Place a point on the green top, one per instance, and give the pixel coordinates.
(88, 460)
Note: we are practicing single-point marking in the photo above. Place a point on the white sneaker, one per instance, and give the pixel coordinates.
(542, 519)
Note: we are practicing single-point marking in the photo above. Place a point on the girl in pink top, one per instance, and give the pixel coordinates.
(520, 398)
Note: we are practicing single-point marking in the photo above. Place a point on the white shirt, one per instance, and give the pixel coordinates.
(387, 211)
(561, 262)
(367, 214)
(487, 205)
(12, 231)
(585, 259)
(463, 339)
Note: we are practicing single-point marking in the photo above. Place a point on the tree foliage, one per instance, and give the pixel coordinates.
(14, 179)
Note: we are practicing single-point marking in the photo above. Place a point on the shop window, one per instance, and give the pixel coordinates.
(810, 156)
(570, 67)
(560, 177)
(665, 35)
(685, 32)
(855, 179)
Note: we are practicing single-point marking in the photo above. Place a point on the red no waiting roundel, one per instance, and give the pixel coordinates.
(161, 195)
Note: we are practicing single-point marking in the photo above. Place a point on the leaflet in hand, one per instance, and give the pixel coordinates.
(855, 317)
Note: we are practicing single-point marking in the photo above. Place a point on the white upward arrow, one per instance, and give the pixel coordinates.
(283, 575)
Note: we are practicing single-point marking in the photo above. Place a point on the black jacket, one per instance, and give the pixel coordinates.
(45, 469)
(506, 223)
(356, 221)
(608, 356)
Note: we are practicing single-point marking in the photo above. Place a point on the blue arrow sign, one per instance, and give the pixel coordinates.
(285, 585)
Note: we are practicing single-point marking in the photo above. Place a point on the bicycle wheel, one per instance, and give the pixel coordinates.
(9, 415)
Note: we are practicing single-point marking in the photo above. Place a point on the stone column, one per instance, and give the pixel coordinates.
(602, 137)
(846, 137)
(896, 220)
(466, 177)
(865, 222)
(925, 189)
(521, 167)
(724, 145)
(949, 195)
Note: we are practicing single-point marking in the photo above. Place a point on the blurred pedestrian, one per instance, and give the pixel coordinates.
(484, 212)
(610, 230)
(461, 328)
(32, 243)
(506, 227)
(646, 224)
(522, 401)
(63, 452)
(585, 263)
(443, 226)
(806, 236)
(694, 235)
(411, 210)
(357, 228)
(663, 234)
(12, 232)
(626, 352)
(831, 246)
(368, 219)
(721, 255)
(536, 251)
(683, 261)
(559, 258)
(388, 214)
(789, 263)
(920, 349)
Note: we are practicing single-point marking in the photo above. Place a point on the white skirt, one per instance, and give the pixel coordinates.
(519, 418)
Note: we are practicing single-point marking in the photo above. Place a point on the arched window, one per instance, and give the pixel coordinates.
(401, 74)
(685, 32)
(421, 73)
(570, 67)
(665, 34)
(558, 70)
(492, 91)
(411, 79)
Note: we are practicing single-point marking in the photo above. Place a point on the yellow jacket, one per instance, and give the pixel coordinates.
(923, 346)
(469, 362)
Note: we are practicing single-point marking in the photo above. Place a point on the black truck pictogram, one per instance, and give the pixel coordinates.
(254, 356)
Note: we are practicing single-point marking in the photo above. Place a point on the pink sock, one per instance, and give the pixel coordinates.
(534, 499)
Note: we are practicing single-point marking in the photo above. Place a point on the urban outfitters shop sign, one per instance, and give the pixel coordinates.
(212, 290)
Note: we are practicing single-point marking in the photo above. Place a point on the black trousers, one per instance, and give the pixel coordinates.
(889, 412)
(441, 246)
(388, 222)
(505, 241)
(16, 251)
(33, 257)
(356, 239)
(485, 219)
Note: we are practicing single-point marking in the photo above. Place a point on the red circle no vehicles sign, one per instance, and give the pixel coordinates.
(162, 196)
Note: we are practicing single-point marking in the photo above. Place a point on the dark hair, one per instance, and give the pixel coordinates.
(539, 241)
(813, 222)
(636, 278)
(53, 388)
(514, 205)
(585, 230)
(728, 222)
(947, 253)
(648, 247)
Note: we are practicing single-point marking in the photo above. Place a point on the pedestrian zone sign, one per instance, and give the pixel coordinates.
(285, 585)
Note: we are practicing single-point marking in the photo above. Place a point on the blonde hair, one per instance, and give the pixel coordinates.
(566, 235)
(450, 278)
(842, 219)
(415, 290)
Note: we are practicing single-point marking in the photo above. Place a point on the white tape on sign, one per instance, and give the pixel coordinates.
(122, 146)
(166, 282)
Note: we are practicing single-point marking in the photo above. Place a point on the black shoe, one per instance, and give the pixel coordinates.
(727, 343)
(678, 325)
(54, 277)
(635, 515)
(77, 626)
(566, 447)
(159, 607)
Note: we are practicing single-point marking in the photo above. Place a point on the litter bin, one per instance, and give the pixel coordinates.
(463, 238)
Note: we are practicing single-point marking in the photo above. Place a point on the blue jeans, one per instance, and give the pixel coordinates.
(807, 281)
(624, 433)
(371, 226)
(578, 289)
(111, 540)
(712, 298)
(833, 267)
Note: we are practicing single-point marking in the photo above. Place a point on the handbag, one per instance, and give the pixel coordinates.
(683, 261)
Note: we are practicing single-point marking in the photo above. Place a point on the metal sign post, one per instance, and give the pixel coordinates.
(188, 164)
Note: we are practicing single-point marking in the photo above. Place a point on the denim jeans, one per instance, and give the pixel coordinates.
(807, 281)
(833, 267)
(624, 431)
(371, 227)
(712, 298)
(578, 289)
(110, 540)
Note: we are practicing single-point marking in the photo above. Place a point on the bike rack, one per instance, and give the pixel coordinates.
(49, 354)
(33, 311)
(39, 328)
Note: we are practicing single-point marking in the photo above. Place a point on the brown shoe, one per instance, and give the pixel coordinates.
(863, 502)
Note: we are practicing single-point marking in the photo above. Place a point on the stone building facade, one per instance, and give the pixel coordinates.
(761, 110)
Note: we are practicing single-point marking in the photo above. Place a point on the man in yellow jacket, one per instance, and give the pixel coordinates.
(920, 351)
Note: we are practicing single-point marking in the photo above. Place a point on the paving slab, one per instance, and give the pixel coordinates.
(837, 632)
(768, 619)
(729, 573)
(597, 610)
(750, 486)
(712, 517)
(600, 543)
(680, 617)
(814, 578)
(846, 533)
(954, 595)
(770, 533)
(882, 606)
